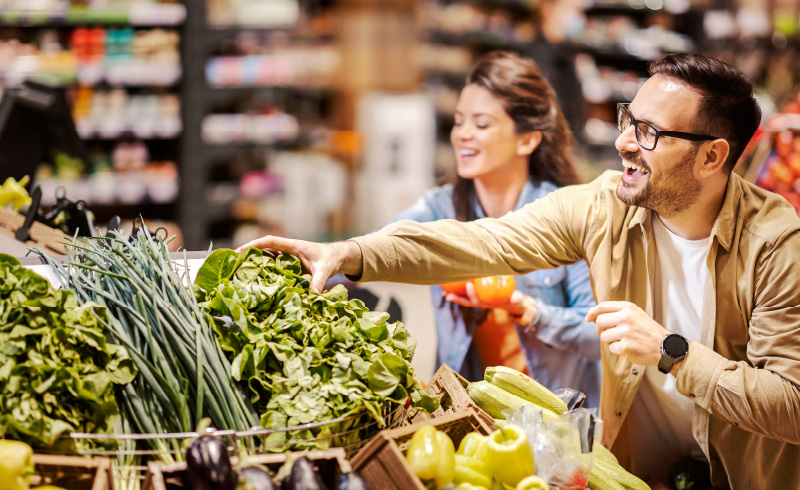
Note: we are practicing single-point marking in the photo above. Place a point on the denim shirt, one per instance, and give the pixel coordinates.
(563, 350)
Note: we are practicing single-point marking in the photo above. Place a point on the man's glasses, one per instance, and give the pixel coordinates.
(646, 135)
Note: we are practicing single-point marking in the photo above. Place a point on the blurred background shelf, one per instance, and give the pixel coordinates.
(322, 118)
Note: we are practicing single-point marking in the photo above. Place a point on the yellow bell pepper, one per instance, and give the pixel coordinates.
(475, 446)
(510, 455)
(467, 486)
(533, 483)
(431, 455)
(16, 465)
(472, 471)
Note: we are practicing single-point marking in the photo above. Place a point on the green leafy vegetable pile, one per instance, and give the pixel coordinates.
(57, 372)
(183, 374)
(305, 357)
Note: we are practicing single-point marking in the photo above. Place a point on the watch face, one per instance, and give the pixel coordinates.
(675, 346)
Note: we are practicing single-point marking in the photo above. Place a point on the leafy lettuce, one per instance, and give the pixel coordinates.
(303, 356)
(57, 372)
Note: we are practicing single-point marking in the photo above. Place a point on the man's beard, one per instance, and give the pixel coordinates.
(669, 194)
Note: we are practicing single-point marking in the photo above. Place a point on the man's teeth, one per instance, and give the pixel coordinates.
(633, 166)
(468, 153)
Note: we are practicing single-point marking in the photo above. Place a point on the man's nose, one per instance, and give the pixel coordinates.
(626, 141)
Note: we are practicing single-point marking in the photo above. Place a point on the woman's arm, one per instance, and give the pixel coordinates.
(565, 328)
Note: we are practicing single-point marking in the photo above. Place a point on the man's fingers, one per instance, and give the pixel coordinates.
(608, 320)
(611, 335)
(317, 283)
(274, 243)
(605, 307)
(617, 348)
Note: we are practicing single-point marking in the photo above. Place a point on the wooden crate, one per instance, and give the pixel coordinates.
(452, 387)
(329, 463)
(72, 472)
(382, 462)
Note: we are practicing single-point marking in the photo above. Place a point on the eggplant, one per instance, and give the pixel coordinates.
(351, 481)
(258, 478)
(209, 466)
(304, 476)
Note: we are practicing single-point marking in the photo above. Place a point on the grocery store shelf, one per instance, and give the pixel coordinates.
(137, 14)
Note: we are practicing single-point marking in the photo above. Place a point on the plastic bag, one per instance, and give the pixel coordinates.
(562, 444)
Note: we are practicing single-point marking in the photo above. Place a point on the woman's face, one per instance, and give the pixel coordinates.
(483, 136)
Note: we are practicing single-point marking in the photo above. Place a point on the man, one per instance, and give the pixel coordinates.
(694, 270)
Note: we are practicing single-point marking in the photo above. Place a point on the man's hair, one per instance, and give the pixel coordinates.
(727, 107)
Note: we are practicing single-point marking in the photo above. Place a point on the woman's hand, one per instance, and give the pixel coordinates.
(322, 260)
(520, 307)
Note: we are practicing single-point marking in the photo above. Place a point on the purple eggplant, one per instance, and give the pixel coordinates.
(304, 476)
(258, 478)
(351, 481)
(209, 466)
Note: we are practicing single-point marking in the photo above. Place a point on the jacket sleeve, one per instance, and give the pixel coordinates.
(761, 394)
(565, 328)
(547, 233)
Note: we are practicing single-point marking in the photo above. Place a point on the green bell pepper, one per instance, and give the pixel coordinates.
(510, 455)
(431, 456)
(16, 465)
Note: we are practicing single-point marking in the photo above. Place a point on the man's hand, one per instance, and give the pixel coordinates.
(628, 331)
(322, 260)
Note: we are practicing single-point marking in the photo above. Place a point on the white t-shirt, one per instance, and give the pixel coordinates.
(660, 417)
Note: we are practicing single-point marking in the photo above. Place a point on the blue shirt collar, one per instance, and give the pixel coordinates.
(529, 190)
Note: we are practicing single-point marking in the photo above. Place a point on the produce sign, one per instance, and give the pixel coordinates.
(303, 356)
(57, 372)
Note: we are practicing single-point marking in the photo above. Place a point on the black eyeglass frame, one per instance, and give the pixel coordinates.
(658, 133)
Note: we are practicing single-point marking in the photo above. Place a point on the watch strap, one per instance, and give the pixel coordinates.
(666, 363)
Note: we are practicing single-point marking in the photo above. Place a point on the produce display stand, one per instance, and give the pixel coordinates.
(452, 387)
(72, 472)
(382, 462)
(329, 463)
(39, 234)
(253, 441)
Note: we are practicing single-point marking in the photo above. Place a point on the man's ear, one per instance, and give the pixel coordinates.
(528, 142)
(713, 156)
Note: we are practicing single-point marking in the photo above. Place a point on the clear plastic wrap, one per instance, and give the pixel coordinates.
(562, 444)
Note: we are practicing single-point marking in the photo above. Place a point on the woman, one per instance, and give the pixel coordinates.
(513, 146)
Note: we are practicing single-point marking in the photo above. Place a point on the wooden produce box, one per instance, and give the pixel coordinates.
(452, 387)
(72, 472)
(329, 463)
(382, 462)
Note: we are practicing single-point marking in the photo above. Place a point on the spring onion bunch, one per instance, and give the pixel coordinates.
(183, 373)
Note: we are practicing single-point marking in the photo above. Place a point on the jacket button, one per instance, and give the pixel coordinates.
(691, 395)
(736, 424)
(618, 414)
(634, 371)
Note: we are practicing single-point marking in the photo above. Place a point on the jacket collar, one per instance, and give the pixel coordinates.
(724, 226)
(723, 229)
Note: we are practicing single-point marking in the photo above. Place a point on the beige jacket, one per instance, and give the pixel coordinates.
(744, 376)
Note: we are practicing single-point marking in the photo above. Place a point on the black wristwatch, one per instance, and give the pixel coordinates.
(673, 348)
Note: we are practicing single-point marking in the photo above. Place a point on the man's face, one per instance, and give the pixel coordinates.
(663, 179)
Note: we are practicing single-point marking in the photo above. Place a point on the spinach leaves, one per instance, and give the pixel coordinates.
(304, 356)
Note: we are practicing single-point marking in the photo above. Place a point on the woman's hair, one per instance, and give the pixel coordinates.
(531, 103)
